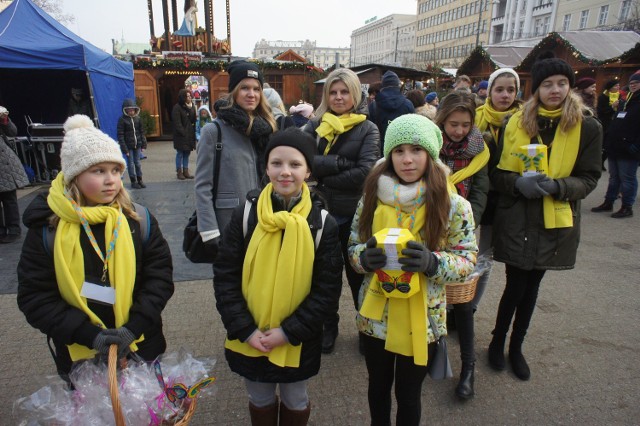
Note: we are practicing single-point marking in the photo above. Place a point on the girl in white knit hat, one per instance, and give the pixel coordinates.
(95, 269)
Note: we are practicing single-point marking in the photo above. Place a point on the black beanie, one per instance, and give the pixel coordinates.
(547, 65)
(610, 84)
(295, 138)
(239, 70)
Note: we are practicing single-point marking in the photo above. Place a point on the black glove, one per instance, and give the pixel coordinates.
(126, 338)
(372, 258)
(529, 186)
(419, 259)
(104, 340)
(550, 186)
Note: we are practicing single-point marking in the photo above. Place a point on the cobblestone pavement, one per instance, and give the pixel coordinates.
(582, 346)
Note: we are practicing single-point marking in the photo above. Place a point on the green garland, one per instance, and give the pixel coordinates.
(219, 65)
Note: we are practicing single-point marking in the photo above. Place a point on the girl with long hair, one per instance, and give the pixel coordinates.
(537, 219)
(407, 189)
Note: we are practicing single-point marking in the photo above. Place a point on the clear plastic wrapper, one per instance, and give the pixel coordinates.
(157, 393)
(483, 263)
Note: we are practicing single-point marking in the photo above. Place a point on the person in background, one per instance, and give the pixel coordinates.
(408, 189)
(78, 104)
(97, 245)
(301, 113)
(466, 154)
(416, 96)
(274, 284)
(183, 118)
(431, 103)
(623, 148)
(536, 225)
(463, 82)
(204, 117)
(586, 89)
(347, 148)
(12, 177)
(373, 90)
(606, 110)
(482, 91)
(390, 103)
(132, 141)
(277, 108)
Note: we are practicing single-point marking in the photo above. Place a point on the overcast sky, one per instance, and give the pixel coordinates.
(328, 22)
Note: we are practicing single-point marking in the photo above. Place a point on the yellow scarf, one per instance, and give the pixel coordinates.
(332, 125)
(478, 162)
(487, 118)
(557, 213)
(407, 332)
(277, 272)
(613, 97)
(69, 260)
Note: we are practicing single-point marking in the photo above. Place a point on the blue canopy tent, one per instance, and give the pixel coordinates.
(41, 60)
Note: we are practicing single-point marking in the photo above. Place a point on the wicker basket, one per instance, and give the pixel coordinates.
(461, 292)
(115, 397)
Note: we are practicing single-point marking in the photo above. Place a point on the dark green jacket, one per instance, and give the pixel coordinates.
(519, 236)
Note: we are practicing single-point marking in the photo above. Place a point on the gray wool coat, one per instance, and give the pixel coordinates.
(12, 175)
(238, 175)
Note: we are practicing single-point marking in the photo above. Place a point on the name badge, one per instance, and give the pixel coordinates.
(98, 293)
(622, 114)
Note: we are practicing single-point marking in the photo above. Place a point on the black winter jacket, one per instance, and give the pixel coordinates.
(304, 326)
(623, 138)
(130, 131)
(183, 119)
(40, 301)
(342, 172)
(390, 104)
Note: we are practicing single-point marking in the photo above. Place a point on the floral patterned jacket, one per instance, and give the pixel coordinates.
(455, 261)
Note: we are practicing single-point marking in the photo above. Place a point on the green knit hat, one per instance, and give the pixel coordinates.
(413, 129)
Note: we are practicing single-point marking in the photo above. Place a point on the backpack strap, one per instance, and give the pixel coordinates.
(323, 215)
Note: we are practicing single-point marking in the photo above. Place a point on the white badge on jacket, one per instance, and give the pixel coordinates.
(98, 293)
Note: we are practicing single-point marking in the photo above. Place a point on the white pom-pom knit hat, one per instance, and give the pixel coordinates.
(84, 146)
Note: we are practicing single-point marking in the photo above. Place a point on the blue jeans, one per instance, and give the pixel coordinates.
(133, 163)
(182, 159)
(623, 179)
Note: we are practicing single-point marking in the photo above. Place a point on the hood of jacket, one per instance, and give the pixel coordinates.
(130, 103)
(363, 106)
(37, 212)
(206, 108)
(390, 99)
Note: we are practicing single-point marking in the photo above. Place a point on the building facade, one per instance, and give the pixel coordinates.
(386, 41)
(448, 30)
(323, 57)
(574, 15)
(521, 19)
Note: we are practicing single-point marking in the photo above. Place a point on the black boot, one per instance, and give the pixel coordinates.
(607, 206)
(518, 363)
(625, 211)
(330, 334)
(496, 352)
(141, 183)
(464, 321)
(135, 184)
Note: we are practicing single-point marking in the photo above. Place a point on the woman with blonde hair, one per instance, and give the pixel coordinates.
(348, 146)
(243, 125)
(537, 219)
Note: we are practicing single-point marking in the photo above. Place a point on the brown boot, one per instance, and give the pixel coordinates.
(294, 417)
(187, 175)
(180, 175)
(264, 416)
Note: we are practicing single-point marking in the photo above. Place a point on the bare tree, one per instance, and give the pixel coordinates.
(53, 8)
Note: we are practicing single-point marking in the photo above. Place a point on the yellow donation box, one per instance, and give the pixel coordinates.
(394, 282)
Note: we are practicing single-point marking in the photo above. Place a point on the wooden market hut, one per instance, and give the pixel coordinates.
(484, 60)
(601, 55)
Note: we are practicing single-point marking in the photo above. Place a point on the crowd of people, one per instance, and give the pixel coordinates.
(290, 201)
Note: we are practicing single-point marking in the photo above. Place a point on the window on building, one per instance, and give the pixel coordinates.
(584, 17)
(566, 22)
(603, 15)
(520, 29)
(545, 24)
(625, 7)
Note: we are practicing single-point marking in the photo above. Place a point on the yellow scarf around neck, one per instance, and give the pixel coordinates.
(486, 115)
(277, 272)
(613, 97)
(478, 162)
(562, 158)
(332, 125)
(407, 331)
(69, 260)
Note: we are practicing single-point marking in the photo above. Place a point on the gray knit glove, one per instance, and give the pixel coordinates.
(126, 338)
(104, 340)
(419, 259)
(372, 258)
(550, 186)
(529, 186)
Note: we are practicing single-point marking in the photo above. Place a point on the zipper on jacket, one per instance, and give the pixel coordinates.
(135, 139)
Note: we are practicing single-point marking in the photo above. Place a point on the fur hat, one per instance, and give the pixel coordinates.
(390, 79)
(295, 138)
(585, 82)
(413, 129)
(430, 97)
(304, 109)
(84, 146)
(499, 72)
(3, 110)
(547, 65)
(484, 84)
(239, 70)
(610, 84)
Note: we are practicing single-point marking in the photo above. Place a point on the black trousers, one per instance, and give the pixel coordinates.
(10, 217)
(384, 367)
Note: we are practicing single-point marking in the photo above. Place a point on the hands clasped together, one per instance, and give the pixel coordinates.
(418, 258)
(267, 340)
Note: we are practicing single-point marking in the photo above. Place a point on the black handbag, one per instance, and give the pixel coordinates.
(439, 365)
(194, 248)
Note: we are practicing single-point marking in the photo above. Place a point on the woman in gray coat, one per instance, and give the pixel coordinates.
(12, 177)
